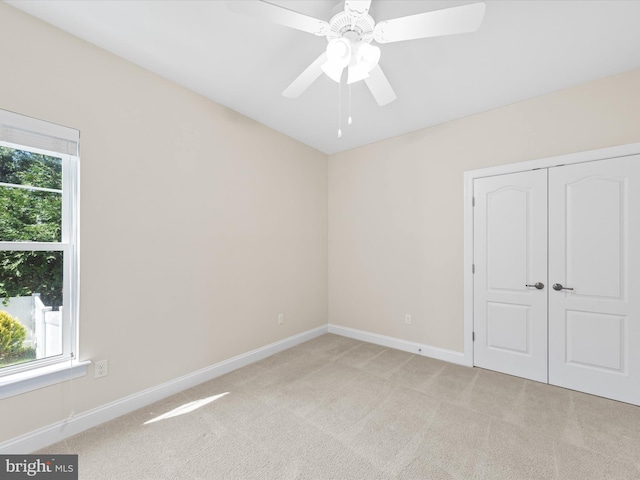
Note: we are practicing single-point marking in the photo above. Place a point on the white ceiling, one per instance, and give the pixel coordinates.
(523, 49)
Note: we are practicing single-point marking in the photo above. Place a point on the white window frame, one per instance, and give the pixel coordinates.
(37, 136)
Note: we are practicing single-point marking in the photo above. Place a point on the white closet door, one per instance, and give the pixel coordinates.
(510, 252)
(594, 249)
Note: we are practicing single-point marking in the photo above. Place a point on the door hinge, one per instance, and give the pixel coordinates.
(473, 268)
(473, 201)
(473, 336)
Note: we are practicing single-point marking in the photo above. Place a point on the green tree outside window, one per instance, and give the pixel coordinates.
(30, 215)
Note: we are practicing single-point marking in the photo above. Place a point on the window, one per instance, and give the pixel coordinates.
(38, 244)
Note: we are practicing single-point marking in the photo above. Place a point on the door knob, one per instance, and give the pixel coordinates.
(538, 285)
(558, 287)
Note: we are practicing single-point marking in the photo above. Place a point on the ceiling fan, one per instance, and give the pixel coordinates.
(350, 33)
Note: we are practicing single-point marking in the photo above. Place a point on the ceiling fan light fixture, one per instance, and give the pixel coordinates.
(333, 70)
(339, 49)
(367, 55)
(364, 59)
(356, 73)
(338, 57)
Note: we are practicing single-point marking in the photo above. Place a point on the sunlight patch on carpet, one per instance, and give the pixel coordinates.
(186, 408)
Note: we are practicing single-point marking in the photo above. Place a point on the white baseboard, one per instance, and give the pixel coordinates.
(42, 437)
(399, 344)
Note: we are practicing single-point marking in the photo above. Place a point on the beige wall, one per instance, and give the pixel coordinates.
(396, 207)
(198, 225)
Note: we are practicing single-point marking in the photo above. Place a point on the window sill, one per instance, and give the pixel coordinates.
(23, 382)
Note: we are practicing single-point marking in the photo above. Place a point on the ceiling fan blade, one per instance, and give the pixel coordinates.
(306, 78)
(463, 19)
(380, 86)
(280, 15)
(357, 8)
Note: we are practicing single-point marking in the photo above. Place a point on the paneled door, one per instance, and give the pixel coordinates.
(510, 261)
(576, 325)
(594, 272)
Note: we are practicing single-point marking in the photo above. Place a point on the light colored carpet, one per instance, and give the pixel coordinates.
(337, 408)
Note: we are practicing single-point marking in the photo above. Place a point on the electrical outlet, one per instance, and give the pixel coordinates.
(407, 319)
(100, 368)
(281, 319)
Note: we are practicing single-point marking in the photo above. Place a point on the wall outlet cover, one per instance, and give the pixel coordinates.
(100, 368)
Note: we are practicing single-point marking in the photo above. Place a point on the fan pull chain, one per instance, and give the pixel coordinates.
(339, 109)
(349, 121)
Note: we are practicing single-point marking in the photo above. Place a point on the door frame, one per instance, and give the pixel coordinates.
(471, 175)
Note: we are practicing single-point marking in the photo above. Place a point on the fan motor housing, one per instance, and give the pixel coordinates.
(356, 28)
